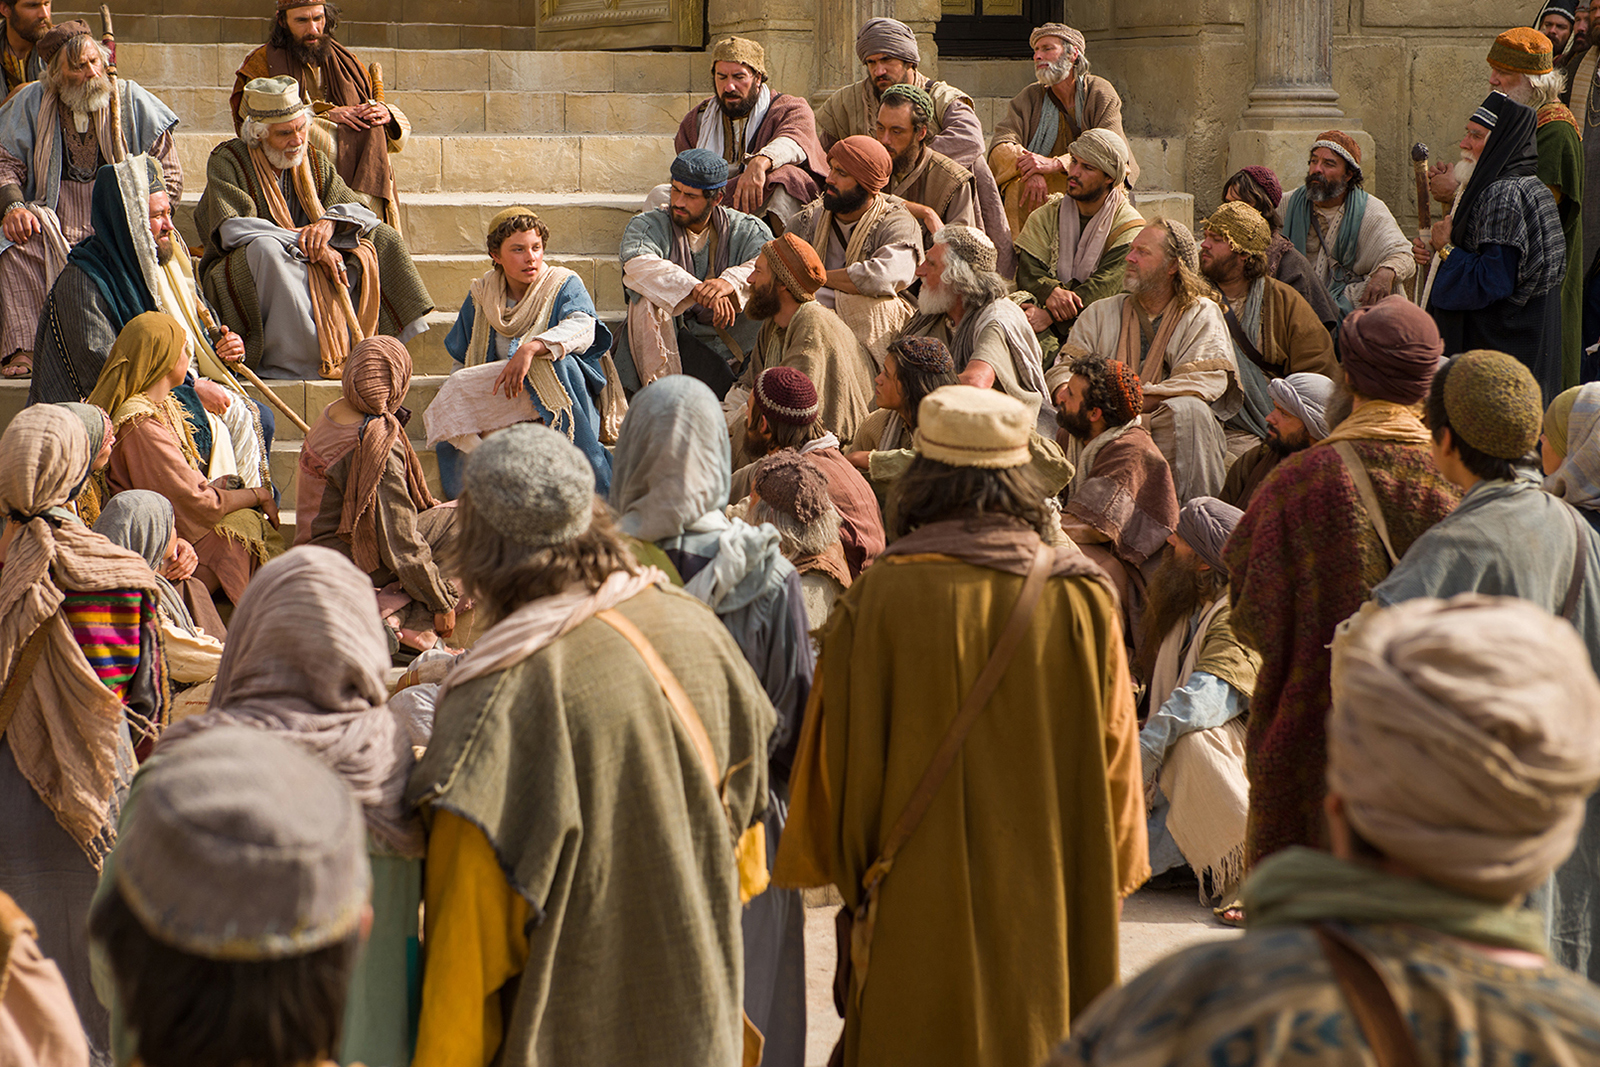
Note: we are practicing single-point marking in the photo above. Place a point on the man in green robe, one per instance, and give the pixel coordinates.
(998, 921)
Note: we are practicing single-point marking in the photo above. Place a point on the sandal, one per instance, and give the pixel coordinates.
(1231, 914)
(17, 365)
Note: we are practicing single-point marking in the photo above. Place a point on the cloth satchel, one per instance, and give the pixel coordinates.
(855, 929)
(750, 846)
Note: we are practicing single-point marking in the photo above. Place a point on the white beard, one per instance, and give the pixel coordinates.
(1464, 168)
(1055, 73)
(1521, 93)
(86, 99)
(284, 160)
(935, 301)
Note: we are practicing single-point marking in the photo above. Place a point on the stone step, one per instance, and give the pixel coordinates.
(448, 276)
(428, 354)
(376, 24)
(308, 398)
(286, 462)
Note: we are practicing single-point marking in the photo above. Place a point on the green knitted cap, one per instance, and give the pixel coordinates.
(1493, 403)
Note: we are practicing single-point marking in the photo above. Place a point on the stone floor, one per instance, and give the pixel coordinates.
(1155, 923)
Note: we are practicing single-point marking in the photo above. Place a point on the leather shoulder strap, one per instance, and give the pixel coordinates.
(988, 681)
(1580, 567)
(1242, 339)
(1369, 499)
(1361, 980)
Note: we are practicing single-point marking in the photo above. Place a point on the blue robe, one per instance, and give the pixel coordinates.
(580, 375)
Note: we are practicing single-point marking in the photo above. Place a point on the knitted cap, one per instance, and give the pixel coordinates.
(273, 100)
(59, 35)
(243, 846)
(1267, 180)
(1121, 380)
(1567, 9)
(887, 37)
(923, 353)
(740, 50)
(793, 485)
(1493, 403)
(1488, 113)
(907, 93)
(532, 485)
(865, 160)
(1241, 226)
(1057, 29)
(1183, 239)
(700, 168)
(786, 395)
(971, 245)
(1342, 145)
(1104, 150)
(969, 427)
(796, 265)
(1523, 50)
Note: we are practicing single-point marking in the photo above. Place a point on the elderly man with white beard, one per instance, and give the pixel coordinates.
(291, 253)
(55, 134)
(990, 339)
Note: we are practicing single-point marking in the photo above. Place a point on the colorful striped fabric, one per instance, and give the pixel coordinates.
(106, 626)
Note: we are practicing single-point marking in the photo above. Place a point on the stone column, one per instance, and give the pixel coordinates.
(1293, 98)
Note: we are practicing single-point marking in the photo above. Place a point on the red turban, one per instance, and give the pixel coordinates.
(865, 160)
(1390, 350)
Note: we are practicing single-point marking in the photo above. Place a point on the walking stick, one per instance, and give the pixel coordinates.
(1419, 164)
(108, 39)
(272, 398)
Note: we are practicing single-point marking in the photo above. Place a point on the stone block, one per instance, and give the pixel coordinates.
(625, 164)
(364, 34)
(423, 36)
(449, 276)
(244, 29)
(191, 29)
(200, 110)
(421, 69)
(1165, 204)
(509, 164)
(1487, 14)
(628, 113)
(1161, 162)
(532, 72)
(150, 64)
(999, 78)
(1370, 75)
(445, 223)
(420, 168)
(481, 37)
(661, 72)
(292, 393)
(1144, 14)
(607, 288)
(442, 112)
(1447, 82)
(13, 398)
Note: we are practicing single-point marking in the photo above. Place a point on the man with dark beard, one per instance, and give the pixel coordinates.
(868, 243)
(353, 126)
(686, 275)
(1120, 505)
(25, 22)
(1030, 153)
(1355, 247)
(67, 113)
(1300, 417)
(775, 162)
(799, 332)
(1200, 679)
(937, 190)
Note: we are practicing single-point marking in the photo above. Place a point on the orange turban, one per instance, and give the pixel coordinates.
(865, 160)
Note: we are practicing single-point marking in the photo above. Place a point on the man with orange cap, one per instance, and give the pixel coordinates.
(868, 242)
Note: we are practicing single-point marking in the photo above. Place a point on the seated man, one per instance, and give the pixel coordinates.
(1120, 507)
(133, 263)
(1259, 187)
(240, 886)
(868, 242)
(888, 49)
(1298, 420)
(783, 418)
(1355, 247)
(990, 339)
(63, 123)
(799, 332)
(22, 24)
(1419, 904)
(1177, 338)
(1029, 156)
(790, 494)
(1073, 251)
(1274, 331)
(1200, 679)
(769, 140)
(288, 244)
(936, 189)
(686, 276)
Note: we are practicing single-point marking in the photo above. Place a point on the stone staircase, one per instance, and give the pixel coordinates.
(577, 136)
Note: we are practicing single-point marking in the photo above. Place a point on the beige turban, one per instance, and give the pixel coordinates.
(1464, 738)
(1104, 151)
(1073, 38)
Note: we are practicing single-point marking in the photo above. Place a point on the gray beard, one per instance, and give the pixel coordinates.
(932, 301)
(1055, 73)
(86, 99)
(284, 160)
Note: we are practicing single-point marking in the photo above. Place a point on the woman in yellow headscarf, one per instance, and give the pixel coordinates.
(233, 529)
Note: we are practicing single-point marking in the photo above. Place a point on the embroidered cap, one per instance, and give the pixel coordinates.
(965, 426)
(1523, 50)
(272, 100)
(786, 395)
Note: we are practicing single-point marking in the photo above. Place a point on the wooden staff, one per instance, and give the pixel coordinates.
(1419, 165)
(272, 398)
(107, 38)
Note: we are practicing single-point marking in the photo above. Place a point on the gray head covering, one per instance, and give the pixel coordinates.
(1305, 396)
(242, 846)
(1205, 524)
(532, 485)
(94, 420)
(887, 37)
(672, 464)
(307, 656)
(142, 522)
(700, 168)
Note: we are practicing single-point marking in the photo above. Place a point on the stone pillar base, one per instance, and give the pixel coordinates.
(1285, 152)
